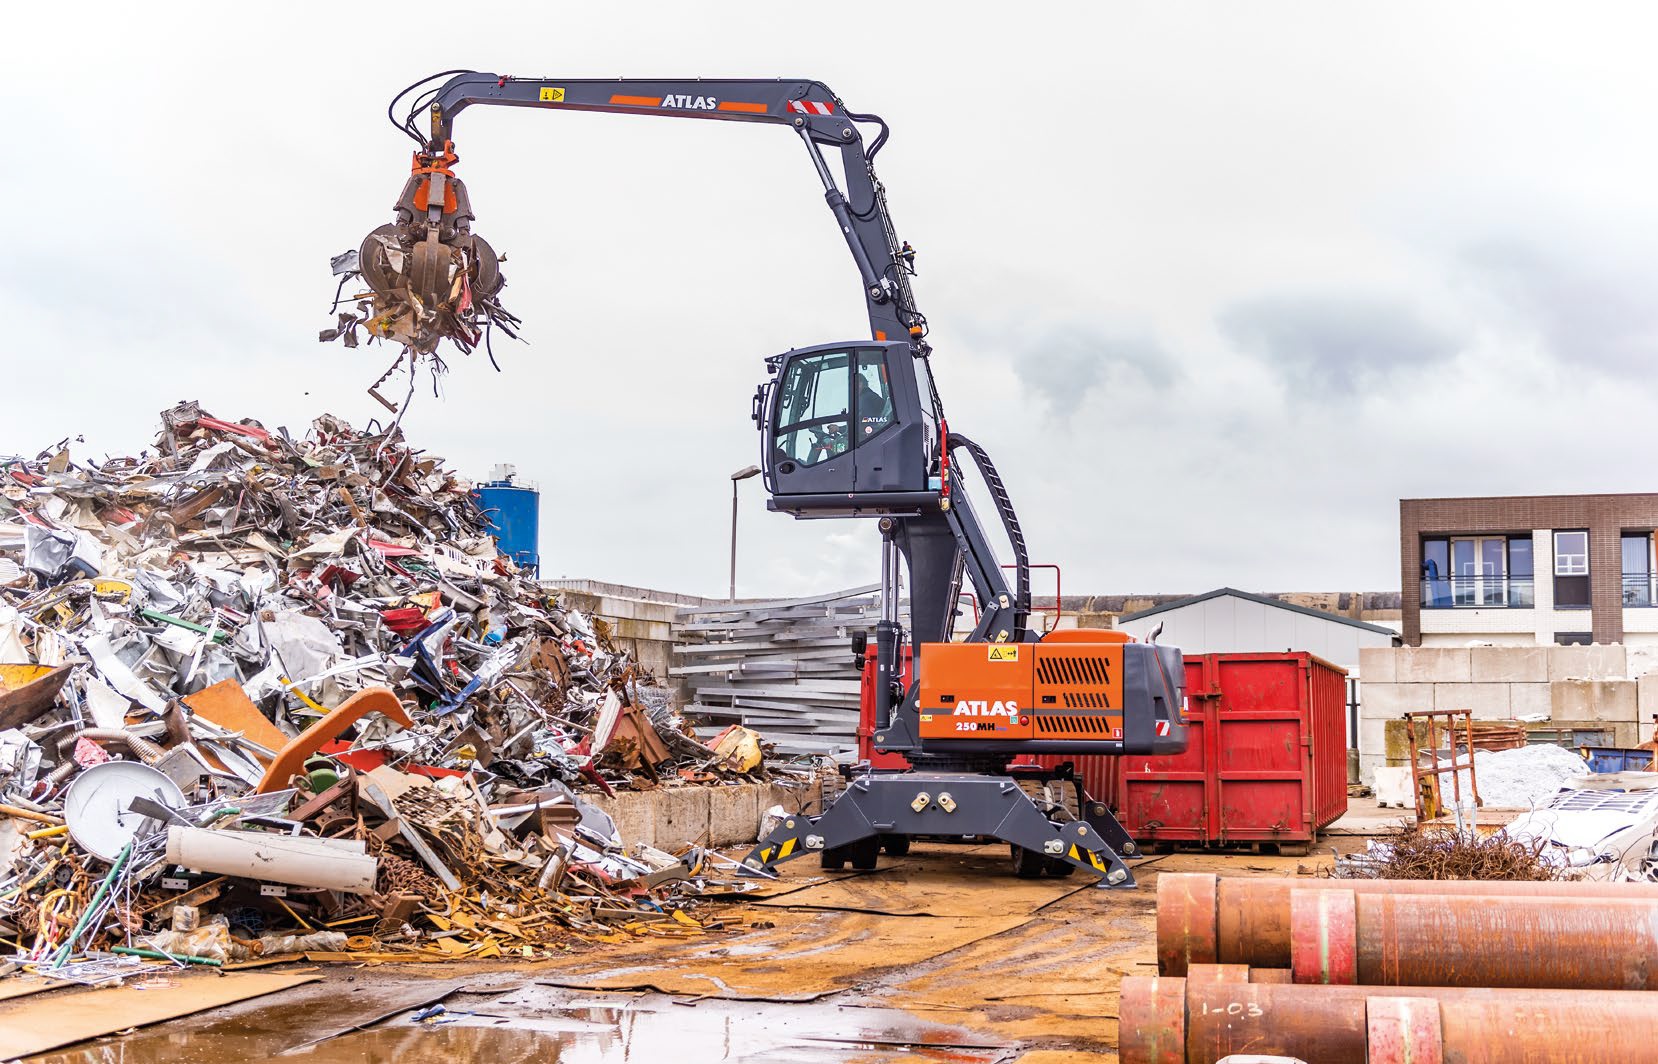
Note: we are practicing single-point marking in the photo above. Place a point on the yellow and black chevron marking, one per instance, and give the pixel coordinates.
(782, 851)
(1077, 854)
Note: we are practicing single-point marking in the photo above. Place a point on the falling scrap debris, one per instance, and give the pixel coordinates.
(428, 277)
(264, 696)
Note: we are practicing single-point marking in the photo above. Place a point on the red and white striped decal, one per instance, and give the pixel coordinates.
(1162, 727)
(811, 107)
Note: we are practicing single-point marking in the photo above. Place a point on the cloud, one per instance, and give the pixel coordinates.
(1591, 310)
(1066, 365)
(1334, 345)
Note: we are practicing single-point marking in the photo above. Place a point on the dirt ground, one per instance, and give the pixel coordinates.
(941, 955)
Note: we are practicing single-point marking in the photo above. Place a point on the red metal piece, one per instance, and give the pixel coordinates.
(1324, 936)
(250, 431)
(1247, 920)
(1152, 1029)
(866, 713)
(1267, 758)
(369, 760)
(1403, 1030)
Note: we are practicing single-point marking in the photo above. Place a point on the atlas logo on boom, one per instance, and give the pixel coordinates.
(691, 103)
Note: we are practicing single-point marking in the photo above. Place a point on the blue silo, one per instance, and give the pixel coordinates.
(514, 514)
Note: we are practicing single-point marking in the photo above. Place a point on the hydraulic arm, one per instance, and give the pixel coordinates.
(849, 429)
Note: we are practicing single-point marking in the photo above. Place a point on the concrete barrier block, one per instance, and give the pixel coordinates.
(1571, 700)
(1396, 742)
(1381, 701)
(1432, 665)
(1530, 699)
(734, 814)
(1646, 698)
(1509, 664)
(1488, 701)
(633, 811)
(1378, 664)
(1640, 659)
(1596, 662)
(1372, 741)
(1594, 700)
(681, 816)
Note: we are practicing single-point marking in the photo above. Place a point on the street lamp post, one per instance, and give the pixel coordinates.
(741, 474)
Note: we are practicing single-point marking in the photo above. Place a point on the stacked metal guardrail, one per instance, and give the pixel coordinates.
(1389, 971)
(784, 667)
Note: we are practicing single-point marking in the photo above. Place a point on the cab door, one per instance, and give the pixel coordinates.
(812, 423)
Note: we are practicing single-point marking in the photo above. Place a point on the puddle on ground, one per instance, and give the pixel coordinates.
(544, 1025)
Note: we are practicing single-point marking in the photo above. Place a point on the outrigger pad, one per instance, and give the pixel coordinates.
(940, 803)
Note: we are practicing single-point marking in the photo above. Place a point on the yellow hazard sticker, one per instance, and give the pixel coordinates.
(926, 718)
(1002, 652)
(549, 94)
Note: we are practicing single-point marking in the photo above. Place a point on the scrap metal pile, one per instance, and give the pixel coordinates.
(1444, 852)
(263, 694)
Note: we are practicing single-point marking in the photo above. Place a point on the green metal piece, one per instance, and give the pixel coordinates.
(92, 907)
(166, 618)
(157, 955)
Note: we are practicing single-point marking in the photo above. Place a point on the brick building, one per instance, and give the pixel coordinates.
(1528, 570)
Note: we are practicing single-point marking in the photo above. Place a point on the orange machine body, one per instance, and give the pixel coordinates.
(1069, 686)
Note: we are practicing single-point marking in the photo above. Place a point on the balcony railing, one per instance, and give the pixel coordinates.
(1640, 589)
(1479, 592)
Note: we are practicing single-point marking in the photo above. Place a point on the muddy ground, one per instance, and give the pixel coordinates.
(939, 956)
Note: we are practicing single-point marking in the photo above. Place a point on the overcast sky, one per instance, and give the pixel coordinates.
(1216, 284)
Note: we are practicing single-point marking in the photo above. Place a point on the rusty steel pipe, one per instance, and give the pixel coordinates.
(1403, 1030)
(1236, 973)
(1204, 919)
(1337, 936)
(1338, 1024)
(1151, 1024)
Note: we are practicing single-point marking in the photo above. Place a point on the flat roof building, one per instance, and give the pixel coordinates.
(1529, 570)
(1229, 621)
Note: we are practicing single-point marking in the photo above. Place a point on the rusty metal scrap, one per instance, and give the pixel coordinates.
(216, 606)
(1445, 852)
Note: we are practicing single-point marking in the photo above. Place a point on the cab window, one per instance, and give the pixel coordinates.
(874, 399)
(814, 412)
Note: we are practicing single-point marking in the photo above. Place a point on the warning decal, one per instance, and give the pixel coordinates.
(549, 94)
(1004, 652)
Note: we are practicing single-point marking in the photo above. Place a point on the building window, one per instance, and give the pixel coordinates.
(1572, 639)
(1571, 570)
(1479, 570)
(1638, 570)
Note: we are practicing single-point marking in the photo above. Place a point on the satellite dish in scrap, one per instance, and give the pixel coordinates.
(96, 805)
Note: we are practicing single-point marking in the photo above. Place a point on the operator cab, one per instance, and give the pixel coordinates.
(849, 430)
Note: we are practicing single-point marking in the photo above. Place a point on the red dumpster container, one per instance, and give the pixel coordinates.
(1267, 760)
